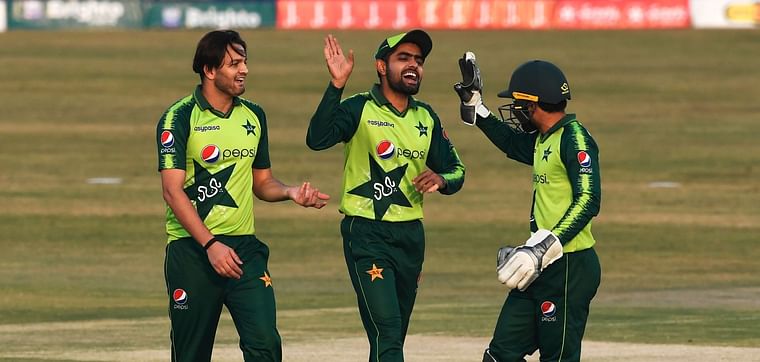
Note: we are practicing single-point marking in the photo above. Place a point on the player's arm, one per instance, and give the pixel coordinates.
(518, 147)
(223, 259)
(580, 155)
(446, 171)
(332, 123)
(266, 187)
(171, 139)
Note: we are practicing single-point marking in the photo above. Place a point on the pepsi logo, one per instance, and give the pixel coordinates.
(584, 159)
(548, 309)
(179, 296)
(385, 149)
(210, 153)
(167, 139)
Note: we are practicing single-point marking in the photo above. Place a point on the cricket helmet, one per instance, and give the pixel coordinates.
(534, 81)
(537, 81)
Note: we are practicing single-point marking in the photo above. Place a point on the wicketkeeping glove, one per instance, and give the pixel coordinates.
(469, 90)
(520, 266)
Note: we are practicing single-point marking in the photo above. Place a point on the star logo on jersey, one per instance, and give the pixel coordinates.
(375, 272)
(208, 190)
(547, 152)
(249, 128)
(267, 280)
(421, 128)
(383, 188)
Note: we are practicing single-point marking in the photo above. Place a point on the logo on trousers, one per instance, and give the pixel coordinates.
(548, 312)
(180, 298)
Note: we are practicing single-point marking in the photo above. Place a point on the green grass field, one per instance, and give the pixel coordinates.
(680, 265)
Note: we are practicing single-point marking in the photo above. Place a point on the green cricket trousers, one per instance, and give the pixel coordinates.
(196, 295)
(549, 316)
(384, 261)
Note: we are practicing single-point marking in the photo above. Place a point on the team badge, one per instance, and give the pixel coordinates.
(584, 159)
(548, 309)
(179, 296)
(167, 139)
(375, 272)
(210, 153)
(385, 149)
(266, 279)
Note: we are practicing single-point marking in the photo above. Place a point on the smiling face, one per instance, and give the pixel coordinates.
(229, 78)
(404, 69)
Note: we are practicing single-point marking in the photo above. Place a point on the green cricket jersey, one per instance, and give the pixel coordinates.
(566, 176)
(384, 151)
(218, 152)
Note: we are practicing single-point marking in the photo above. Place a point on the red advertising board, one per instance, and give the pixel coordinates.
(621, 14)
(482, 14)
(406, 14)
(347, 14)
(485, 14)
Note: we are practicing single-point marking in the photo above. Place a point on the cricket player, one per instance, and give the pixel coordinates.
(556, 273)
(213, 155)
(395, 152)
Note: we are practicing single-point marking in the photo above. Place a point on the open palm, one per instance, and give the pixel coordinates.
(339, 66)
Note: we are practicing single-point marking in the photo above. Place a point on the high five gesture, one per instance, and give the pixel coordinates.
(339, 66)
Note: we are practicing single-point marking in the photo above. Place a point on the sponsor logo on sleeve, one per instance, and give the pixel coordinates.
(584, 159)
(167, 142)
(167, 139)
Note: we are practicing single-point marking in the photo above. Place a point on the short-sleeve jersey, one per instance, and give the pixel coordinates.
(384, 151)
(218, 152)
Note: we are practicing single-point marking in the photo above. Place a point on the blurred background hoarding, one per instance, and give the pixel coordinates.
(380, 14)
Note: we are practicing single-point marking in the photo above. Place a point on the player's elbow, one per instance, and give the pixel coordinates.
(315, 144)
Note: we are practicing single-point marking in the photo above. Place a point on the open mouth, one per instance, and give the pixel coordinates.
(240, 81)
(410, 76)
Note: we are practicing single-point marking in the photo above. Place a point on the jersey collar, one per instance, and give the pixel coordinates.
(206, 106)
(570, 117)
(377, 96)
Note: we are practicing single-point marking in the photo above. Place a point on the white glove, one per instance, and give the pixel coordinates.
(469, 89)
(520, 266)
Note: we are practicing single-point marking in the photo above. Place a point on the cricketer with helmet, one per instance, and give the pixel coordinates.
(555, 274)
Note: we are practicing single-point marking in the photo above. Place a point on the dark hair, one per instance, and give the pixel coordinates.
(553, 108)
(213, 47)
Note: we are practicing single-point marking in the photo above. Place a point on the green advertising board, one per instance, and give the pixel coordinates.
(57, 14)
(213, 15)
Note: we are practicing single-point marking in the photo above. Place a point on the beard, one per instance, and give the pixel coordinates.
(229, 87)
(398, 85)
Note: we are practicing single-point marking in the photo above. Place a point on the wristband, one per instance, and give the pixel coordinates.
(209, 243)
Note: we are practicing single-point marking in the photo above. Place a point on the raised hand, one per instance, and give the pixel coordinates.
(339, 66)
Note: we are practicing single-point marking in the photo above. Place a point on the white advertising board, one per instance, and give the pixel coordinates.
(3, 16)
(725, 13)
